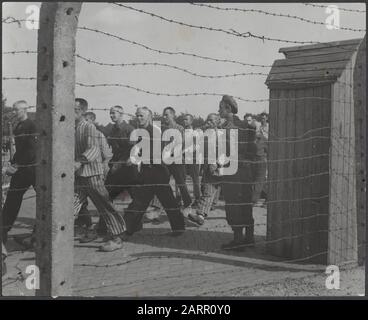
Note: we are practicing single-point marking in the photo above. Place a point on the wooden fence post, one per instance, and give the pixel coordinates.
(55, 173)
(360, 87)
(1, 210)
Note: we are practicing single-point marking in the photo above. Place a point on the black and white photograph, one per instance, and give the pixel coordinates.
(188, 149)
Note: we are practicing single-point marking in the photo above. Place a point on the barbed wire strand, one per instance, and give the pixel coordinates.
(342, 9)
(295, 66)
(289, 16)
(232, 32)
(340, 46)
(183, 94)
(235, 33)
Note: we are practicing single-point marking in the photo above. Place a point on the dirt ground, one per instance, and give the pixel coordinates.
(152, 264)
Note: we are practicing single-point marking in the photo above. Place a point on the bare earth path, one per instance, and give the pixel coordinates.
(153, 264)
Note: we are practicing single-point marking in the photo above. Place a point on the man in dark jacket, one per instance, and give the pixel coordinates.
(153, 179)
(121, 174)
(22, 168)
(237, 188)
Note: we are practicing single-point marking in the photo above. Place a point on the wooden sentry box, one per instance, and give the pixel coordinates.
(312, 200)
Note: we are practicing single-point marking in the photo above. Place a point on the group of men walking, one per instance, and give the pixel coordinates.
(104, 169)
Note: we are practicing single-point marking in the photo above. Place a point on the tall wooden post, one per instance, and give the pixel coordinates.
(1, 210)
(360, 87)
(55, 173)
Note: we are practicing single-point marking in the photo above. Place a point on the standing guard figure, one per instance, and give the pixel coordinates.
(237, 188)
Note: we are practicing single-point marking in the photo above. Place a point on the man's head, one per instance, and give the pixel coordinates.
(90, 117)
(20, 109)
(169, 115)
(248, 118)
(144, 117)
(264, 118)
(81, 106)
(228, 106)
(213, 120)
(150, 115)
(188, 120)
(116, 114)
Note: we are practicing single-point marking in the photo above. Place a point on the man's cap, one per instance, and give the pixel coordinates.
(230, 101)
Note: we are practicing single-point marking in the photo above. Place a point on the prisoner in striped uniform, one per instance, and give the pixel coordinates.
(84, 217)
(89, 179)
(210, 179)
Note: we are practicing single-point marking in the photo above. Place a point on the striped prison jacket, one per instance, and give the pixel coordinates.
(87, 149)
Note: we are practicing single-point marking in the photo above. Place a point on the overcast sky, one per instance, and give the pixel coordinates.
(163, 35)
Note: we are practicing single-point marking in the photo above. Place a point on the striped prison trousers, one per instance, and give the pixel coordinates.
(210, 195)
(94, 188)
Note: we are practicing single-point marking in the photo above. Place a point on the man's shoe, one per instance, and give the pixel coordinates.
(196, 218)
(146, 220)
(156, 221)
(79, 231)
(249, 236)
(83, 221)
(114, 244)
(125, 236)
(89, 236)
(187, 211)
(249, 241)
(234, 246)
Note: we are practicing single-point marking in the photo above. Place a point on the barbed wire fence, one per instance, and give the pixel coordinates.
(332, 135)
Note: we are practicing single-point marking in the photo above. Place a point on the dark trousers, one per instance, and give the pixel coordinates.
(84, 216)
(259, 169)
(20, 182)
(193, 171)
(179, 174)
(154, 180)
(121, 180)
(237, 190)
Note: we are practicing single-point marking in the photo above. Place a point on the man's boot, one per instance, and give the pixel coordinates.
(249, 236)
(238, 243)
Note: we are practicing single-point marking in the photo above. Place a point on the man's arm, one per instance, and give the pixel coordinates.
(124, 146)
(106, 152)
